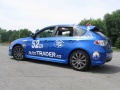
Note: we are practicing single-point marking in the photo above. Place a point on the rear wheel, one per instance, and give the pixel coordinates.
(18, 53)
(79, 60)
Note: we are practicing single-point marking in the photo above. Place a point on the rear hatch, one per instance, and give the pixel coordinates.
(107, 41)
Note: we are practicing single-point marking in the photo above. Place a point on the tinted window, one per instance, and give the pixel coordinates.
(100, 33)
(80, 32)
(64, 31)
(46, 32)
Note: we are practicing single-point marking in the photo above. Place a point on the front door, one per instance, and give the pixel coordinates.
(39, 45)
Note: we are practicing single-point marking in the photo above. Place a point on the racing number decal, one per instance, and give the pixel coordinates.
(36, 44)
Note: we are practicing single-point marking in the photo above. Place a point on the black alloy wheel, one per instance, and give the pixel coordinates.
(79, 60)
(18, 53)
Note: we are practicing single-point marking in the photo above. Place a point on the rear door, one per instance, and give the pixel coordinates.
(62, 42)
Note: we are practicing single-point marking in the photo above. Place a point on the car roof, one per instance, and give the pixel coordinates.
(73, 25)
(62, 25)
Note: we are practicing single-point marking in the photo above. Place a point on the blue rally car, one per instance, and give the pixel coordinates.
(79, 46)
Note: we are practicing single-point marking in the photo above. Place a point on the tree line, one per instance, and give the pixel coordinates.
(110, 25)
(10, 35)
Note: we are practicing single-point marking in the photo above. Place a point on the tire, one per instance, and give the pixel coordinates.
(79, 60)
(18, 53)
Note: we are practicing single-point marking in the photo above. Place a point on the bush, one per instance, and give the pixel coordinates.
(117, 43)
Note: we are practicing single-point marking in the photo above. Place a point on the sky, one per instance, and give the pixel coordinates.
(36, 14)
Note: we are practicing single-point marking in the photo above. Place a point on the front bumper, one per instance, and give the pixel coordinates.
(10, 50)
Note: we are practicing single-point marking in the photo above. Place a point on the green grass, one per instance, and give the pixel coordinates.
(115, 49)
(4, 44)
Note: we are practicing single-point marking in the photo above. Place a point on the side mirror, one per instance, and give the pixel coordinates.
(32, 35)
(37, 31)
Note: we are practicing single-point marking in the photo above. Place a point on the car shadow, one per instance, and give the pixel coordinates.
(46, 63)
(104, 69)
(49, 63)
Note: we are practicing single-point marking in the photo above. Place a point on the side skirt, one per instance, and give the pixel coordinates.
(47, 59)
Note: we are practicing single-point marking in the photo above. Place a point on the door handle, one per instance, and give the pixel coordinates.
(45, 41)
(71, 40)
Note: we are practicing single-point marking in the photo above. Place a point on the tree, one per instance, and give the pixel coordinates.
(117, 43)
(24, 33)
(112, 22)
(14, 36)
(10, 35)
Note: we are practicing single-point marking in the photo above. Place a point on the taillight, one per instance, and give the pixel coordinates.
(101, 42)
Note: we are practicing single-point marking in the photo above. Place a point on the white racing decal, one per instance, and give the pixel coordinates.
(43, 53)
(96, 55)
(24, 43)
(36, 44)
(58, 43)
(88, 35)
(88, 27)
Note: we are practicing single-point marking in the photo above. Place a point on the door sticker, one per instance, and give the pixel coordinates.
(36, 44)
(24, 43)
(59, 43)
(96, 55)
(44, 54)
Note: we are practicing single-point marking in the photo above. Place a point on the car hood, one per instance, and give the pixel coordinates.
(20, 40)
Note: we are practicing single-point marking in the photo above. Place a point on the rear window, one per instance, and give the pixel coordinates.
(100, 33)
(80, 32)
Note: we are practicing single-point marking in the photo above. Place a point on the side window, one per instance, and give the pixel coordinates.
(64, 31)
(80, 32)
(46, 32)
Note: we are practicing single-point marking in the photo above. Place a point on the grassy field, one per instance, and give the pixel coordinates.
(4, 44)
(115, 49)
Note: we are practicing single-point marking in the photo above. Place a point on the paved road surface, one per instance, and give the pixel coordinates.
(40, 75)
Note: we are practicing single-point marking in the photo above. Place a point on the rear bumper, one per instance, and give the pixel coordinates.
(108, 57)
(105, 57)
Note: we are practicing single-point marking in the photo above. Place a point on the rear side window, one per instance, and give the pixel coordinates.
(100, 33)
(80, 32)
(64, 31)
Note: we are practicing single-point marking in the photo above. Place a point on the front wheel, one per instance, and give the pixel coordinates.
(18, 53)
(79, 60)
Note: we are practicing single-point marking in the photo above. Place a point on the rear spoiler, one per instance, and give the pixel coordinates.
(91, 28)
(96, 29)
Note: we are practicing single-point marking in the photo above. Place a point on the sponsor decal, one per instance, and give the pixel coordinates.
(88, 35)
(24, 43)
(44, 53)
(96, 55)
(36, 44)
(88, 27)
(58, 43)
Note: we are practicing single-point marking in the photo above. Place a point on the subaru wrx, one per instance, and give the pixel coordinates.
(79, 46)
